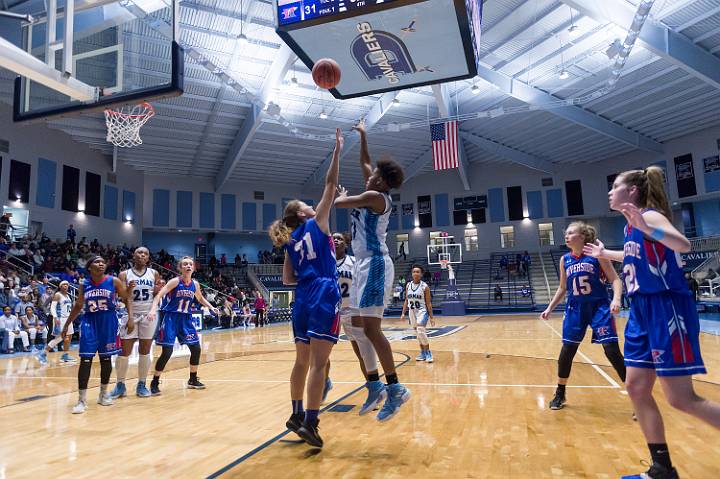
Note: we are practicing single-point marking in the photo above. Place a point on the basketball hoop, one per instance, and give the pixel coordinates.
(123, 124)
(444, 263)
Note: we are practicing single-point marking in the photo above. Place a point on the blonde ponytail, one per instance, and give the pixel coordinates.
(280, 230)
(650, 183)
(588, 232)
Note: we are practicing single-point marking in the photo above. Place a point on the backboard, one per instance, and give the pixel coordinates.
(125, 52)
(444, 249)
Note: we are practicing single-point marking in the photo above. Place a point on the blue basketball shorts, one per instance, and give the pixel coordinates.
(176, 325)
(596, 315)
(316, 312)
(663, 333)
(99, 334)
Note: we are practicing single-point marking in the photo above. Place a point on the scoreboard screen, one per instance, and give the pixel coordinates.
(294, 11)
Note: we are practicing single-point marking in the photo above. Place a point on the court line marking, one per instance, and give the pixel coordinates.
(275, 439)
(597, 368)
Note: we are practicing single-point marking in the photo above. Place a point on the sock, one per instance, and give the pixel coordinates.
(155, 380)
(660, 454)
(193, 376)
(392, 378)
(561, 389)
(121, 367)
(297, 406)
(311, 415)
(373, 377)
(144, 363)
(103, 389)
(82, 395)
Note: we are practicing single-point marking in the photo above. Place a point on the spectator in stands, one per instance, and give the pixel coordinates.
(711, 274)
(260, 306)
(11, 325)
(70, 234)
(692, 285)
(246, 314)
(526, 263)
(397, 292)
(212, 263)
(498, 293)
(227, 315)
(38, 258)
(223, 260)
(34, 326)
(504, 261)
(25, 301)
(518, 264)
(3, 296)
(237, 260)
(436, 279)
(525, 291)
(6, 224)
(15, 250)
(402, 282)
(244, 259)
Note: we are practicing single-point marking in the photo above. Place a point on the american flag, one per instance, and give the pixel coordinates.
(445, 145)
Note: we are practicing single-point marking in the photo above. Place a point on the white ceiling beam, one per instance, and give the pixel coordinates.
(656, 37)
(575, 114)
(509, 153)
(446, 106)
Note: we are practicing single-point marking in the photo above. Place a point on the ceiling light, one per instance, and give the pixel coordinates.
(574, 30)
(475, 89)
(294, 82)
(564, 75)
(242, 38)
(395, 102)
(323, 115)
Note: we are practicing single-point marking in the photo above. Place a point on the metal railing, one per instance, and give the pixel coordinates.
(29, 268)
(705, 243)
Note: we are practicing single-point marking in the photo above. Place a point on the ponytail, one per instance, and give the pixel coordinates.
(589, 232)
(650, 184)
(280, 230)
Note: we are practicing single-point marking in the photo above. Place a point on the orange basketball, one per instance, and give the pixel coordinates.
(326, 73)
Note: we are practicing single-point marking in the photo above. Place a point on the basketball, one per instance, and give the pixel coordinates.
(326, 73)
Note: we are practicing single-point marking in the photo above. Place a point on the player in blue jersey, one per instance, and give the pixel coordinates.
(374, 272)
(97, 297)
(176, 322)
(310, 263)
(662, 334)
(583, 279)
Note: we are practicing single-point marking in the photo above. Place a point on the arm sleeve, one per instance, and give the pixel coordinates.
(53, 309)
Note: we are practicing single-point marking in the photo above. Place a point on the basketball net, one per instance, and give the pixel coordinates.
(123, 124)
(444, 263)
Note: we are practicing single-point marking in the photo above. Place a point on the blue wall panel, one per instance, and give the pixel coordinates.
(534, 204)
(207, 210)
(408, 222)
(184, 209)
(227, 212)
(496, 206)
(269, 214)
(712, 181)
(47, 176)
(341, 220)
(706, 217)
(442, 210)
(249, 216)
(110, 203)
(555, 203)
(394, 222)
(128, 206)
(161, 208)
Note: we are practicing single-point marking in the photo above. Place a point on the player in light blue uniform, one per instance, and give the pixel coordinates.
(97, 297)
(176, 322)
(417, 299)
(310, 263)
(374, 271)
(583, 279)
(662, 333)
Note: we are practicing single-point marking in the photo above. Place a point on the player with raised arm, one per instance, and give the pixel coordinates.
(662, 334)
(97, 300)
(143, 283)
(582, 279)
(310, 263)
(374, 271)
(417, 300)
(177, 322)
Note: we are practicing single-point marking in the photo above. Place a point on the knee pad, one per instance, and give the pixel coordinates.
(195, 350)
(164, 358)
(84, 372)
(567, 353)
(422, 335)
(350, 330)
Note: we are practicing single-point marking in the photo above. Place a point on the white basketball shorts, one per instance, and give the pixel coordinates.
(372, 284)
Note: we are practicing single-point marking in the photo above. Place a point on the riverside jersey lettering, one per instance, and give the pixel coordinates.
(584, 281)
(311, 252)
(180, 298)
(99, 297)
(651, 267)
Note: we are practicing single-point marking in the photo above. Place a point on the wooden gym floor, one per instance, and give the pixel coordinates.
(480, 411)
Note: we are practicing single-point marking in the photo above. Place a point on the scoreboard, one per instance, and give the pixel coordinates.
(293, 11)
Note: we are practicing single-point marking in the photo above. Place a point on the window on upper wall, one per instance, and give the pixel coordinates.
(507, 237)
(546, 235)
(471, 239)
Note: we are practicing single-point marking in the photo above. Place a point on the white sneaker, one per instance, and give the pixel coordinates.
(105, 399)
(80, 407)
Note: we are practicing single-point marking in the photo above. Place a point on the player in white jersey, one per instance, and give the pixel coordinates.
(143, 283)
(417, 299)
(361, 345)
(373, 273)
(60, 308)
